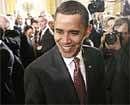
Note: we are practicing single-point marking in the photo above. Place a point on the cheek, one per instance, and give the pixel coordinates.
(78, 41)
(57, 38)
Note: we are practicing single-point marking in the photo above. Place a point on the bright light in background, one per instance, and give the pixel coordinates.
(37, 7)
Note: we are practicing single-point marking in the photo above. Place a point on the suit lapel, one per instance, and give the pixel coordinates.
(87, 57)
(88, 61)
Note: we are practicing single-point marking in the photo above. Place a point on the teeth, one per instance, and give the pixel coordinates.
(66, 47)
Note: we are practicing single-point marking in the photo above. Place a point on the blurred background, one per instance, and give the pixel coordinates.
(34, 7)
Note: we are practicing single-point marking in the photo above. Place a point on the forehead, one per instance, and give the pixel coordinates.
(70, 19)
(68, 22)
(66, 15)
(42, 19)
(30, 29)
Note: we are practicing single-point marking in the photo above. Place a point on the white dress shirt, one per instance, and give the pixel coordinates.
(71, 66)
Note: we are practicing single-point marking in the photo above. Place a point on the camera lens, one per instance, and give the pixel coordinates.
(111, 38)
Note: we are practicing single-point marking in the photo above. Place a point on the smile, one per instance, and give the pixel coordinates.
(66, 47)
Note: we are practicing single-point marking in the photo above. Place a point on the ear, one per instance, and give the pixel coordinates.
(88, 30)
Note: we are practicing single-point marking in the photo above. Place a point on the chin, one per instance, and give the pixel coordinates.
(67, 55)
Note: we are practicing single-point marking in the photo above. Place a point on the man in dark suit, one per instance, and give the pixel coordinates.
(45, 36)
(51, 79)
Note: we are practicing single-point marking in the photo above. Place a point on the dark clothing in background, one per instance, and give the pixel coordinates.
(12, 40)
(18, 81)
(95, 37)
(27, 52)
(6, 66)
(47, 42)
(118, 77)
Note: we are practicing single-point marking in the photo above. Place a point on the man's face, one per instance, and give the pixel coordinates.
(69, 34)
(42, 22)
(29, 33)
(3, 23)
(124, 30)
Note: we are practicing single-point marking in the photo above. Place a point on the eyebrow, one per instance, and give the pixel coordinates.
(59, 29)
(76, 31)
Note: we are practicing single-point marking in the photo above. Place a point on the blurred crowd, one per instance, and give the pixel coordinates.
(29, 38)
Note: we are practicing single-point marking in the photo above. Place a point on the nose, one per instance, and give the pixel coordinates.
(66, 38)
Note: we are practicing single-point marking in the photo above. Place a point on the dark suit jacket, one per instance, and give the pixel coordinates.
(47, 80)
(27, 52)
(118, 77)
(47, 42)
(6, 67)
(12, 76)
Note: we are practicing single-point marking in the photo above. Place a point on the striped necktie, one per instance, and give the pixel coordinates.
(79, 82)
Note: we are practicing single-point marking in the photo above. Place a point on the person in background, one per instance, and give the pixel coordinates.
(11, 38)
(95, 36)
(51, 22)
(6, 67)
(120, 85)
(45, 36)
(4, 23)
(18, 24)
(108, 28)
(68, 73)
(117, 62)
(109, 24)
(27, 51)
(34, 24)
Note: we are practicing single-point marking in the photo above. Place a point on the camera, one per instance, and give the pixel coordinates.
(96, 6)
(111, 38)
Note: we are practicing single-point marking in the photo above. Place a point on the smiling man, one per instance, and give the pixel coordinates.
(68, 73)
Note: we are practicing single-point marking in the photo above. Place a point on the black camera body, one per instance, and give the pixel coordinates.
(96, 6)
(111, 38)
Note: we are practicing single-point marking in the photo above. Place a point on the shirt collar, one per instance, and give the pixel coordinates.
(68, 61)
(44, 30)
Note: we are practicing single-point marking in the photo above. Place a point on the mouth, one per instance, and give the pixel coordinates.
(66, 47)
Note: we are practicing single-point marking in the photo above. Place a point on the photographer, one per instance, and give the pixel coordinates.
(110, 43)
(114, 47)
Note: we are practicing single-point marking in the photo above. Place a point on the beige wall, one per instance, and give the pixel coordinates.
(113, 7)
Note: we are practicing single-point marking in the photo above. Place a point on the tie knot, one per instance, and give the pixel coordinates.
(76, 61)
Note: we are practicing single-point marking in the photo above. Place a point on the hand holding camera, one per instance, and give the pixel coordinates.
(112, 40)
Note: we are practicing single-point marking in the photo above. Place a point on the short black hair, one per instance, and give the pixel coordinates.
(72, 8)
(27, 28)
(33, 21)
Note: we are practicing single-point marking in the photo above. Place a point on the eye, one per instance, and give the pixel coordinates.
(59, 31)
(75, 33)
